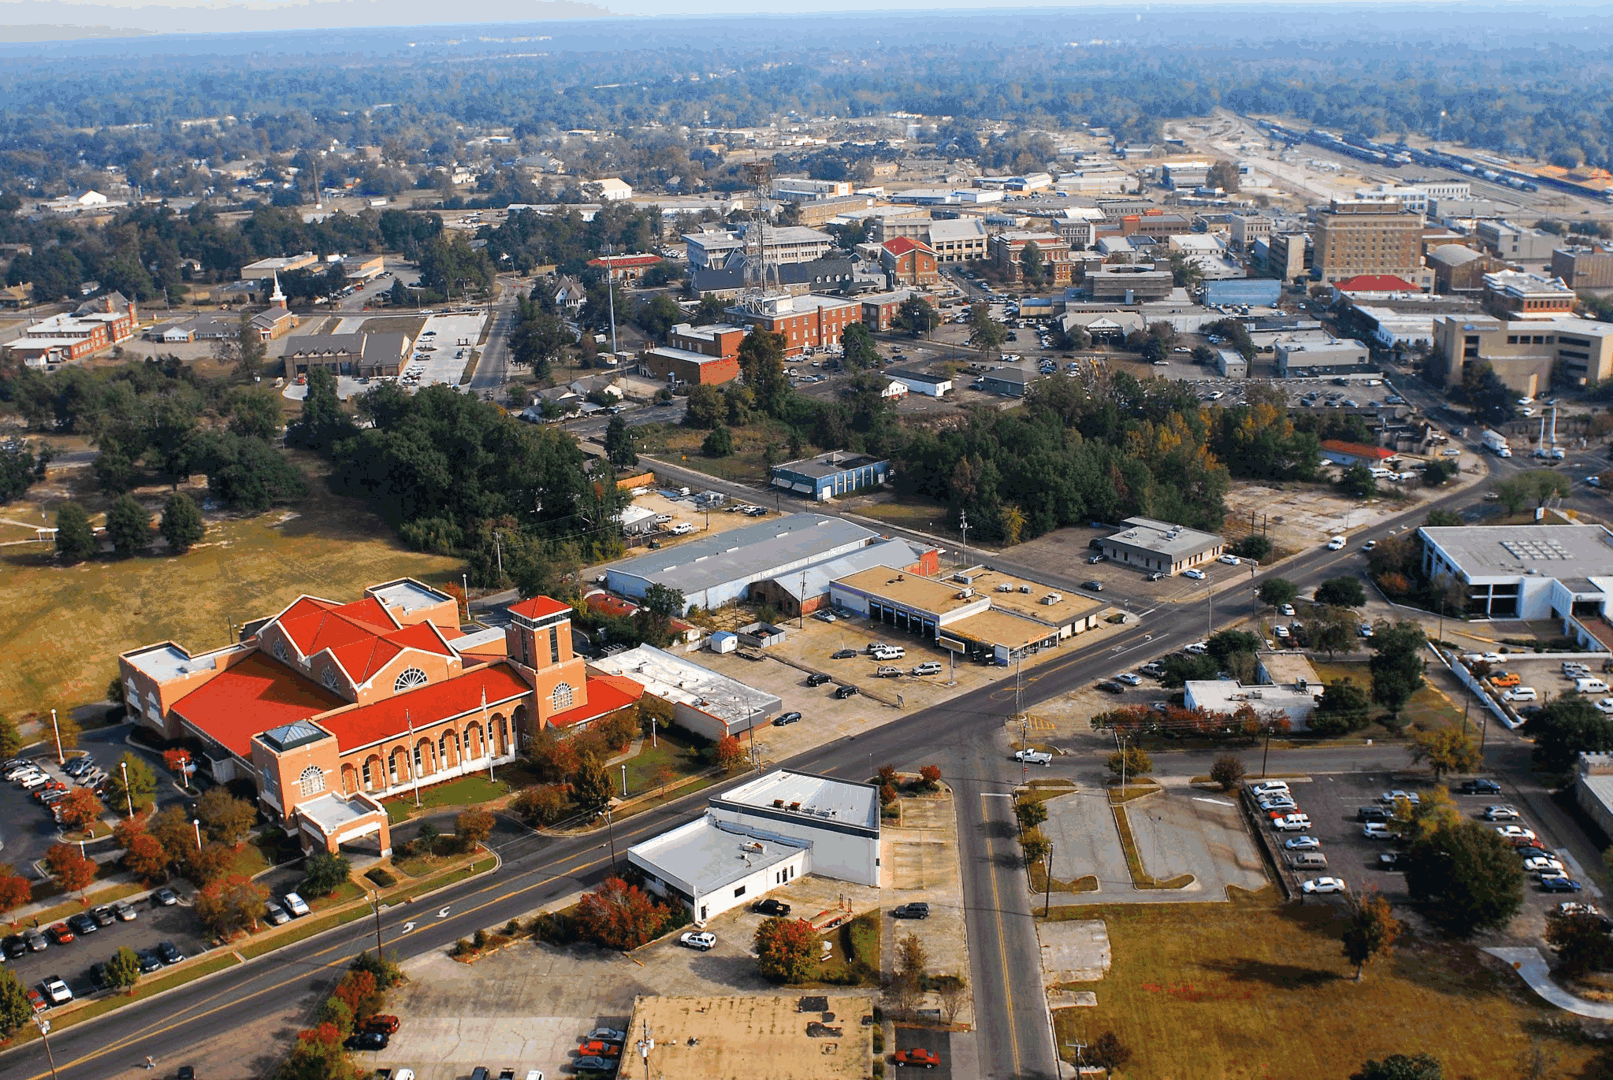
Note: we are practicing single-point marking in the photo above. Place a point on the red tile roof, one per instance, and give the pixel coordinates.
(251, 697)
(901, 245)
(617, 262)
(606, 604)
(389, 717)
(1339, 446)
(606, 694)
(538, 607)
(362, 636)
(1375, 283)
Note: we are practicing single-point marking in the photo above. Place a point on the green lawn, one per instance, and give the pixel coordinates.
(243, 568)
(912, 512)
(1256, 990)
(465, 791)
(1428, 708)
(645, 769)
(248, 862)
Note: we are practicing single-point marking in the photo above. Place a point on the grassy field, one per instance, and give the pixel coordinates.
(668, 761)
(63, 627)
(465, 791)
(395, 324)
(681, 446)
(912, 513)
(1256, 990)
(1428, 708)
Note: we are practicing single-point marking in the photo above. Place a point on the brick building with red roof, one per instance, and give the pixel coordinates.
(908, 262)
(331, 707)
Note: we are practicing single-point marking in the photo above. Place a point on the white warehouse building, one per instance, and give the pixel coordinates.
(762, 834)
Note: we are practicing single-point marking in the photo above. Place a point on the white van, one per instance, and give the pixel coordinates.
(1590, 686)
(1308, 860)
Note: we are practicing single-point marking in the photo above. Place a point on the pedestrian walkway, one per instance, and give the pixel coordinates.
(1537, 973)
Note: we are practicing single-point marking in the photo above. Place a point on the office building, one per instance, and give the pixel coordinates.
(1583, 267)
(1512, 294)
(1128, 283)
(1158, 545)
(1007, 250)
(957, 241)
(1527, 354)
(1302, 359)
(1525, 571)
(781, 244)
(696, 355)
(1516, 243)
(808, 322)
(830, 475)
(711, 705)
(1355, 238)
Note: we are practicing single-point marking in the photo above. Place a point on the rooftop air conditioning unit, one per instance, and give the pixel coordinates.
(755, 846)
(965, 594)
(1052, 598)
(778, 804)
(1005, 586)
(1024, 588)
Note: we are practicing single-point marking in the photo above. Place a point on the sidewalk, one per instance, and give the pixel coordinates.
(1532, 967)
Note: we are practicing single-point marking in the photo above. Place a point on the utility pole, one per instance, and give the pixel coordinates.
(375, 902)
(610, 829)
(1047, 896)
(610, 291)
(1265, 753)
(645, 1045)
(963, 527)
(413, 758)
(61, 758)
(127, 794)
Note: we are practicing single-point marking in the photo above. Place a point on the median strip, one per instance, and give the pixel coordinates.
(1141, 878)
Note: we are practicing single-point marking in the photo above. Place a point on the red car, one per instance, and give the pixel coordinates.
(596, 1048)
(918, 1056)
(60, 934)
(47, 787)
(37, 1000)
(385, 1024)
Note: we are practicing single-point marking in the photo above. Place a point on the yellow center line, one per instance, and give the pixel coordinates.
(235, 1002)
(1002, 939)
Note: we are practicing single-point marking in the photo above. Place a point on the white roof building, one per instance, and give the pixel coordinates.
(703, 701)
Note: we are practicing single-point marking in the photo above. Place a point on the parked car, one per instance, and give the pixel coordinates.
(846, 692)
(55, 990)
(1501, 813)
(125, 911)
(1092, 586)
(165, 898)
(296, 905)
(1543, 864)
(1391, 860)
(82, 924)
(843, 654)
(104, 915)
(699, 939)
(60, 933)
(818, 678)
(1109, 686)
(1268, 787)
(169, 953)
(274, 914)
(609, 1034)
(1277, 802)
(1286, 610)
(1559, 883)
(886, 671)
(1389, 798)
(367, 1040)
(1196, 575)
(915, 910)
(786, 719)
(149, 961)
(1515, 832)
(776, 908)
(383, 1023)
(1480, 787)
(1156, 575)
(1230, 560)
(1302, 843)
(1377, 830)
(1323, 885)
(598, 1048)
(1372, 813)
(594, 1065)
(1130, 679)
(929, 667)
(1292, 823)
(14, 946)
(37, 942)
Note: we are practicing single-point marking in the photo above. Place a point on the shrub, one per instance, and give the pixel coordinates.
(1227, 771)
(381, 877)
(479, 939)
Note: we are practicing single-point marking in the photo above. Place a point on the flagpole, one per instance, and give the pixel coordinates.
(413, 759)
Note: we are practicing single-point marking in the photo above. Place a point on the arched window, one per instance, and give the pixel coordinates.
(312, 781)
(328, 677)
(408, 679)
(279, 651)
(561, 698)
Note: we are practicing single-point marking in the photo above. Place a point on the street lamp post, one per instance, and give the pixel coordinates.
(197, 823)
(1047, 896)
(127, 794)
(61, 758)
(44, 1036)
(610, 830)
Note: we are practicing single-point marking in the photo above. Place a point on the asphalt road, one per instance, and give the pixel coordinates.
(492, 370)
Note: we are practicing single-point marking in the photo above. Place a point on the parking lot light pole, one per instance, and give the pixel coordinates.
(61, 758)
(44, 1036)
(127, 794)
(197, 822)
(1047, 896)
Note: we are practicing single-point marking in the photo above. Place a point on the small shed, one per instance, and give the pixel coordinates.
(722, 642)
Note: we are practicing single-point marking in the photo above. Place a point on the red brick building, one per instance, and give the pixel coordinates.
(96, 324)
(881, 309)
(1007, 249)
(329, 708)
(696, 355)
(625, 267)
(908, 261)
(807, 322)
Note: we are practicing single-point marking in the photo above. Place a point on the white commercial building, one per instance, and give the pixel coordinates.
(703, 701)
(1292, 703)
(1526, 571)
(781, 244)
(761, 835)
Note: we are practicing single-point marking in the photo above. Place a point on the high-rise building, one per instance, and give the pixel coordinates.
(1356, 238)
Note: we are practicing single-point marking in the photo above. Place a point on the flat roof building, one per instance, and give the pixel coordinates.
(1583, 267)
(1525, 571)
(703, 701)
(1161, 546)
(827, 476)
(1292, 704)
(712, 866)
(1308, 359)
(1526, 354)
(718, 569)
(804, 591)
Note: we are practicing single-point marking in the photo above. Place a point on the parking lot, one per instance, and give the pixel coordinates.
(152, 924)
(1333, 804)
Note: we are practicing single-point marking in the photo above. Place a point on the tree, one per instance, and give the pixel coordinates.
(729, 753)
(15, 1011)
(318, 1055)
(75, 539)
(718, 444)
(11, 738)
(333, 1010)
(1435, 475)
(786, 950)
(1227, 771)
(146, 858)
(1344, 707)
(255, 413)
(14, 889)
(1581, 942)
(1223, 175)
(473, 827)
(71, 871)
(182, 525)
(207, 864)
(857, 349)
(1133, 761)
(1469, 876)
(620, 916)
(703, 408)
(1108, 1053)
(917, 316)
(1370, 932)
(227, 819)
(619, 443)
(541, 804)
(79, 808)
(325, 872)
(142, 783)
(228, 907)
(1565, 728)
(1396, 664)
(128, 526)
(591, 788)
(1031, 812)
(761, 359)
(1275, 592)
(322, 423)
(123, 968)
(1401, 1067)
(1446, 750)
(986, 335)
(1358, 482)
(1331, 629)
(1223, 645)
(912, 962)
(929, 778)
(1341, 592)
(1031, 264)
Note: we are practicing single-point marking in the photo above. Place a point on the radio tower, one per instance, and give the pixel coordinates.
(761, 279)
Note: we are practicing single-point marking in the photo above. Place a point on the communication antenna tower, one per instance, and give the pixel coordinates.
(761, 277)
